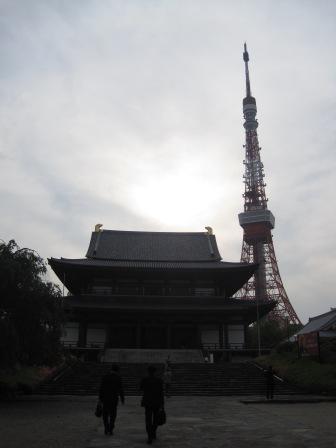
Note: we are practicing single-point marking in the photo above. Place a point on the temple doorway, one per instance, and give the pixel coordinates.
(122, 336)
(185, 337)
(153, 336)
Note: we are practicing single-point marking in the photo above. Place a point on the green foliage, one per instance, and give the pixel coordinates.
(30, 309)
(272, 333)
(328, 349)
(24, 380)
(286, 347)
(305, 373)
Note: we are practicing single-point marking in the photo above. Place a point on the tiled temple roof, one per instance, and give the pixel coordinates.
(153, 246)
(113, 252)
(98, 263)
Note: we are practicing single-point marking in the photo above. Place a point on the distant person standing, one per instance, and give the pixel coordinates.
(168, 363)
(206, 356)
(152, 401)
(110, 390)
(269, 375)
(167, 380)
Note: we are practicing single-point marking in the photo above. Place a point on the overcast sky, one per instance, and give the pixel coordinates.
(129, 113)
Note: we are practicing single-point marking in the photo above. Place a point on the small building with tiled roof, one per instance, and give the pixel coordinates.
(319, 332)
(155, 290)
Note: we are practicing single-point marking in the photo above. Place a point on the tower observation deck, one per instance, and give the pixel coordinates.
(257, 221)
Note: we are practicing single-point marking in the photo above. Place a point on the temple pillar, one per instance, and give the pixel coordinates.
(226, 336)
(82, 331)
(138, 335)
(221, 335)
(226, 342)
(199, 336)
(245, 334)
(168, 335)
(107, 336)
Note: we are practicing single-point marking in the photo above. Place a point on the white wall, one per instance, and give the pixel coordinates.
(96, 335)
(70, 333)
(209, 334)
(236, 336)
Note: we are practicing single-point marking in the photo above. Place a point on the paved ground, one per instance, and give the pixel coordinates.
(68, 422)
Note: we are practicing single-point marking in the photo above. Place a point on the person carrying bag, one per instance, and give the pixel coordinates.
(111, 388)
(153, 402)
(161, 417)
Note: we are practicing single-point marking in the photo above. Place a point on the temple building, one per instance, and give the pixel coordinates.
(155, 290)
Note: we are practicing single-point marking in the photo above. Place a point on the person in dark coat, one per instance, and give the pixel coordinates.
(152, 401)
(167, 381)
(110, 390)
(269, 375)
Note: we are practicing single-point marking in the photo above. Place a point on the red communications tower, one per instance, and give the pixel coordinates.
(258, 221)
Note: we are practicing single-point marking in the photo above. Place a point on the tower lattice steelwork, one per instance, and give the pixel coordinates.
(258, 221)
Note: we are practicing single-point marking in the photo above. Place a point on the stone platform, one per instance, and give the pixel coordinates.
(202, 422)
(152, 356)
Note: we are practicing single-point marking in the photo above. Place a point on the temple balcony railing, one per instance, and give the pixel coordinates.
(233, 347)
(210, 346)
(206, 347)
(146, 291)
(89, 345)
(154, 300)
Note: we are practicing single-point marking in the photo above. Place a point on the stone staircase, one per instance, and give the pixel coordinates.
(83, 378)
(187, 379)
(151, 356)
(223, 379)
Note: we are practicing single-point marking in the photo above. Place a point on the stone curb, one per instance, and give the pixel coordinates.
(291, 401)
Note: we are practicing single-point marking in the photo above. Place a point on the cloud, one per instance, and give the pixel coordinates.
(129, 113)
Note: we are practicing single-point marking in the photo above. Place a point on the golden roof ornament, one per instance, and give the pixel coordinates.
(209, 229)
(98, 227)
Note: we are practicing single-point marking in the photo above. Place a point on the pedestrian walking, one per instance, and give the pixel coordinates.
(168, 363)
(152, 401)
(206, 356)
(167, 380)
(110, 390)
(269, 375)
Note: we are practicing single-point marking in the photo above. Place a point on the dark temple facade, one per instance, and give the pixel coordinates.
(155, 290)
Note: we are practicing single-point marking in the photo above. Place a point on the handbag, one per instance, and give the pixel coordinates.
(161, 417)
(99, 410)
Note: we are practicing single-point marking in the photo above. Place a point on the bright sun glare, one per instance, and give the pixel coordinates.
(175, 199)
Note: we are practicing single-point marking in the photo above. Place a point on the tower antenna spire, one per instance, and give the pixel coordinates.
(258, 222)
(247, 74)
